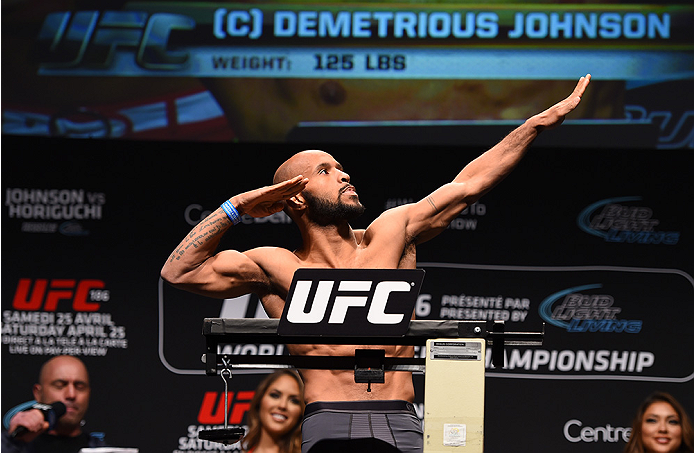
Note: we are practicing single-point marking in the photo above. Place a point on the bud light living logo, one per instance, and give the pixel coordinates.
(576, 311)
(615, 221)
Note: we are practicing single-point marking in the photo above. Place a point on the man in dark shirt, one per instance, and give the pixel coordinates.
(65, 379)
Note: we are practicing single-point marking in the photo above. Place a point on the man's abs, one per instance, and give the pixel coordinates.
(339, 385)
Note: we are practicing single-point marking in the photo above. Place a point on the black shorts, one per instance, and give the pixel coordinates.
(361, 426)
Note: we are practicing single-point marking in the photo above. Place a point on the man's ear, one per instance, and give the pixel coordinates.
(297, 202)
(36, 390)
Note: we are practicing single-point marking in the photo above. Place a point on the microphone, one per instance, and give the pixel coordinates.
(51, 413)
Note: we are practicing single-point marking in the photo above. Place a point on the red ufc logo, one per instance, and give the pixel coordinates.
(209, 415)
(47, 294)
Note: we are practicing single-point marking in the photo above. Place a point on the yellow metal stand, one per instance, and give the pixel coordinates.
(454, 395)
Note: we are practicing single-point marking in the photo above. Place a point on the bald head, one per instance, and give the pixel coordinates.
(49, 369)
(299, 164)
(65, 378)
(328, 198)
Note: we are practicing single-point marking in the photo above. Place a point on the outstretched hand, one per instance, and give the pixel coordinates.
(555, 115)
(269, 199)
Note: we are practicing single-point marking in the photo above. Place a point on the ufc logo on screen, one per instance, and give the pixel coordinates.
(351, 302)
(94, 39)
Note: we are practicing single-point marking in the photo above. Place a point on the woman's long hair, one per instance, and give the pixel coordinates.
(289, 443)
(635, 444)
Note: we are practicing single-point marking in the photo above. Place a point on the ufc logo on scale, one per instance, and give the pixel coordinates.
(351, 302)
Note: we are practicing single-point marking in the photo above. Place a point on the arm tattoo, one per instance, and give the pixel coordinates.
(431, 202)
(198, 236)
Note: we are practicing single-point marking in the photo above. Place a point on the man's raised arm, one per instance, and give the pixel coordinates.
(195, 266)
(433, 214)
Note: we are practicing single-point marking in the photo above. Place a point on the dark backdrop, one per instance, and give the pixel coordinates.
(87, 225)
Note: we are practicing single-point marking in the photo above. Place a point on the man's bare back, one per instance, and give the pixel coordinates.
(316, 192)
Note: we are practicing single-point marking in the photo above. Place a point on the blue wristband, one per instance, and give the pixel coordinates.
(231, 211)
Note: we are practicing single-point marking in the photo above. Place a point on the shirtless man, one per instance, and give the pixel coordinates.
(316, 192)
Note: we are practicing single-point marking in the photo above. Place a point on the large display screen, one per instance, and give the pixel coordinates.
(439, 72)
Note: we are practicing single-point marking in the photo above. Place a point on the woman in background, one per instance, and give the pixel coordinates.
(274, 419)
(661, 425)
